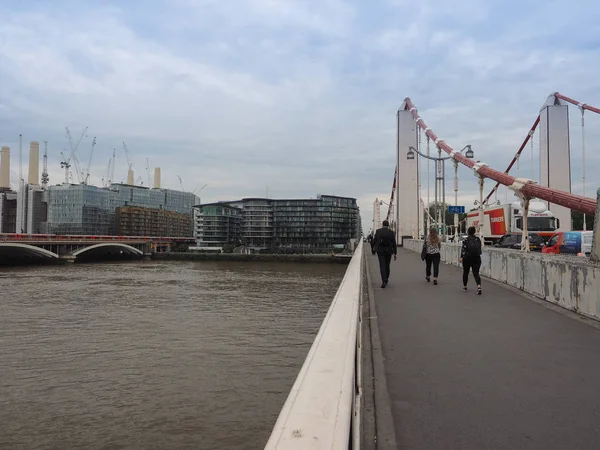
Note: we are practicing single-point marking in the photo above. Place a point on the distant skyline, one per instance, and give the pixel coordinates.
(299, 96)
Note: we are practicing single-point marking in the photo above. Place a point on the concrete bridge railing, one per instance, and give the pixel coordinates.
(568, 281)
(320, 409)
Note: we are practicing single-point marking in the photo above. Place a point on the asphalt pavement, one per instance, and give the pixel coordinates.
(497, 371)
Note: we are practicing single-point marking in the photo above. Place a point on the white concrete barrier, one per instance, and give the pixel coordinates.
(596, 242)
(568, 281)
(318, 411)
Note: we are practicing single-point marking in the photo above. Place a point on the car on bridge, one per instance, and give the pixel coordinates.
(513, 240)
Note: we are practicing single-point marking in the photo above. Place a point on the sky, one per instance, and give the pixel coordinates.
(287, 98)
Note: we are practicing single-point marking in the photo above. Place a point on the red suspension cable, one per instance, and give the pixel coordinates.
(531, 131)
(568, 200)
(576, 103)
(514, 160)
(392, 196)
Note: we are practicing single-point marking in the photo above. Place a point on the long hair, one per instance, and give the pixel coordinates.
(433, 237)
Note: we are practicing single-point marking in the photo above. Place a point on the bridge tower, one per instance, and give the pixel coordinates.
(376, 215)
(408, 198)
(555, 154)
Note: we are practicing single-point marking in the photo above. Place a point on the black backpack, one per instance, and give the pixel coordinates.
(473, 246)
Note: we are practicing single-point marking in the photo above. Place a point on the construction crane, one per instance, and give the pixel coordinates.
(87, 170)
(106, 177)
(66, 162)
(129, 163)
(198, 190)
(181, 183)
(148, 172)
(112, 169)
(45, 177)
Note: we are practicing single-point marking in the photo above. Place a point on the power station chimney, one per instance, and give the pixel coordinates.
(130, 180)
(34, 163)
(5, 167)
(156, 177)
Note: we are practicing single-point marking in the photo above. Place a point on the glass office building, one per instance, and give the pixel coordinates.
(217, 224)
(316, 225)
(91, 210)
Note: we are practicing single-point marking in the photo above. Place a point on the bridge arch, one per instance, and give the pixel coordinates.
(127, 247)
(29, 248)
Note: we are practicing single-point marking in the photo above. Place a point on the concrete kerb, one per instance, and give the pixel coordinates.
(385, 435)
(367, 427)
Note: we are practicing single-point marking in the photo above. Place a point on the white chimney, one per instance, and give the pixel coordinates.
(130, 180)
(5, 167)
(34, 163)
(156, 178)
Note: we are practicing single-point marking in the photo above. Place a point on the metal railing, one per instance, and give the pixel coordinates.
(318, 413)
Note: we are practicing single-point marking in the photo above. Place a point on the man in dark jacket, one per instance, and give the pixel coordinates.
(385, 246)
(371, 242)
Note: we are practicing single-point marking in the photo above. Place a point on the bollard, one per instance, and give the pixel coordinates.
(596, 242)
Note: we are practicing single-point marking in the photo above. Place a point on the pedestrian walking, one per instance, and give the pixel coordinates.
(431, 250)
(384, 244)
(371, 241)
(470, 257)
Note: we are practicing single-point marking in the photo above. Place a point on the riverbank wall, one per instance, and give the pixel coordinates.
(299, 258)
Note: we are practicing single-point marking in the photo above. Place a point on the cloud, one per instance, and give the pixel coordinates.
(299, 96)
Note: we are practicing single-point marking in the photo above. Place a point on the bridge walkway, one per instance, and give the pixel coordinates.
(497, 371)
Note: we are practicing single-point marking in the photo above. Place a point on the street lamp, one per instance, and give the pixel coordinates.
(392, 222)
(469, 154)
(440, 174)
(440, 179)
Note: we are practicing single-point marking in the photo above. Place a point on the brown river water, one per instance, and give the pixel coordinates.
(154, 355)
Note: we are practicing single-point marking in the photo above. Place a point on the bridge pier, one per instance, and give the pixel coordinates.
(67, 258)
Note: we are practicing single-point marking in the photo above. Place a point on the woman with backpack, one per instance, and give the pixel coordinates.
(431, 254)
(470, 257)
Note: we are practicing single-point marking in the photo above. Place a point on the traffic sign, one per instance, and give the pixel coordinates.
(456, 209)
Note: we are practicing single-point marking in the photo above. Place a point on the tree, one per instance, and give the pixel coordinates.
(447, 219)
(577, 221)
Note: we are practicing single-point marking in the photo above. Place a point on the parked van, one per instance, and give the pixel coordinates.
(572, 242)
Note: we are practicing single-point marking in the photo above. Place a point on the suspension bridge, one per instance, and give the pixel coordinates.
(406, 205)
(422, 366)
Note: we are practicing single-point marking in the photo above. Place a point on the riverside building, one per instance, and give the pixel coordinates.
(313, 225)
(91, 210)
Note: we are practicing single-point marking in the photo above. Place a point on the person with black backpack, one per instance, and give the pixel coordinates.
(470, 257)
(384, 244)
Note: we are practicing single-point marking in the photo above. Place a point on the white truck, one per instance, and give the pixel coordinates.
(508, 218)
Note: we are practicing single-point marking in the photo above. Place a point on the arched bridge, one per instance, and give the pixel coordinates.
(72, 247)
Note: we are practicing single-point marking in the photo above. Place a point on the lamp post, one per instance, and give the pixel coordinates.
(469, 154)
(440, 181)
(392, 222)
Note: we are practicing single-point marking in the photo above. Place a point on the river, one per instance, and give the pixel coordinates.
(154, 355)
